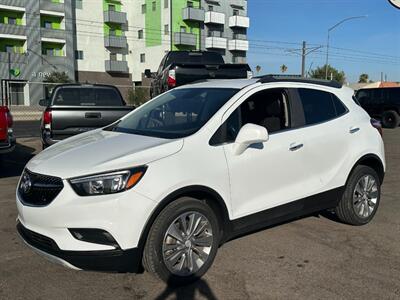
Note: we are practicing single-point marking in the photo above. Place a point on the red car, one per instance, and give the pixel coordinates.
(7, 139)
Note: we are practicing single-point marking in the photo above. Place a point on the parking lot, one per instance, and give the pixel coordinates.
(311, 258)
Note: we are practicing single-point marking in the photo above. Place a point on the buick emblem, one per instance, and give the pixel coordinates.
(26, 184)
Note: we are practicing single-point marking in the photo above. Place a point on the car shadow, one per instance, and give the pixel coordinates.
(12, 164)
(188, 292)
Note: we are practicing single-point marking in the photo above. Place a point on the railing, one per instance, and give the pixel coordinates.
(115, 41)
(52, 33)
(116, 66)
(215, 43)
(13, 29)
(184, 38)
(54, 60)
(239, 21)
(51, 6)
(193, 14)
(115, 17)
(18, 3)
(214, 18)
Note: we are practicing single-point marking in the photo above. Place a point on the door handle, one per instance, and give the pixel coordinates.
(93, 115)
(295, 146)
(354, 129)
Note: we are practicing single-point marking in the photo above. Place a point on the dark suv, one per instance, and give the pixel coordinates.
(382, 103)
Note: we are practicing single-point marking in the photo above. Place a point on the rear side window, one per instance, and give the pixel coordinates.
(99, 96)
(320, 106)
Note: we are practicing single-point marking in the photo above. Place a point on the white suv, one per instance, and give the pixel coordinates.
(166, 185)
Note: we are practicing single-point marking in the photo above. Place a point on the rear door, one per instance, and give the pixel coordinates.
(80, 109)
(328, 132)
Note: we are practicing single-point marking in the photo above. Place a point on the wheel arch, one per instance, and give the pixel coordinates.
(373, 161)
(199, 192)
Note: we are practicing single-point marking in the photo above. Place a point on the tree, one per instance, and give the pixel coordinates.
(258, 69)
(319, 73)
(57, 77)
(284, 68)
(363, 78)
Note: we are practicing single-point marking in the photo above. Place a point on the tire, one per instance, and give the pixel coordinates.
(390, 119)
(357, 208)
(157, 256)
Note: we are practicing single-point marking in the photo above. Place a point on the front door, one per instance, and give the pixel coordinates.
(272, 173)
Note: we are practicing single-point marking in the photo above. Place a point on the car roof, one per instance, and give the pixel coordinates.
(270, 80)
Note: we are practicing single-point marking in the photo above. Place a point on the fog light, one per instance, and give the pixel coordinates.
(95, 236)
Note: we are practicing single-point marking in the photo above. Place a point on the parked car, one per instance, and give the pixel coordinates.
(196, 166)
(382, 103)
(7, 139)
(77, 108)
(182, 67)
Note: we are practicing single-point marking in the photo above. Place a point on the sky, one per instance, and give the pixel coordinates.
(367, 45)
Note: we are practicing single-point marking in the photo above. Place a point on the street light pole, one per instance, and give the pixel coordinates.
(328, 40)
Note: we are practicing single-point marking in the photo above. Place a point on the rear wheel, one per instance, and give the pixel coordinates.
(390, 119)
(183, 242)
(361, 198)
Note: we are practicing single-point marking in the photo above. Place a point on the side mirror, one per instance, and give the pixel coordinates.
(147, 73)
(249, 134)
(44, 102)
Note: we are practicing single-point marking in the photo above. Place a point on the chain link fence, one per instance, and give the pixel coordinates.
(22, 98)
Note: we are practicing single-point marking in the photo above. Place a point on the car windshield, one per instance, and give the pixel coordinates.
(175, 114)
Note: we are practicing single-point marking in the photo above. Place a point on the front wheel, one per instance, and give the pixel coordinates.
(361, 198)
(182, 242)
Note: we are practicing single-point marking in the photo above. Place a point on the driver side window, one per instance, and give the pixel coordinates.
(267, 108)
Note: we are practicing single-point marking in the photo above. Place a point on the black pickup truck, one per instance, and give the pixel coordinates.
(77, 108)
(183, 67)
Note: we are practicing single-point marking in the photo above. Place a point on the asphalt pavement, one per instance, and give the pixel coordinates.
(310, 258)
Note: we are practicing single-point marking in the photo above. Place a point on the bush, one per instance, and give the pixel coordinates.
(138, 96)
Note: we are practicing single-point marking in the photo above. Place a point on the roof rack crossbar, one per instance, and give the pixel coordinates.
(295, 78)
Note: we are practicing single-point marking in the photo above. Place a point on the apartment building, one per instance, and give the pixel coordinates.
(35, 39)
(109, 41)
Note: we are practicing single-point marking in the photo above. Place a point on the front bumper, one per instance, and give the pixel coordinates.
(117, 260)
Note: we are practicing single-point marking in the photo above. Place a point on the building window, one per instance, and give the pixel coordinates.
(113, 56)
(235, 12)
(142, 57)
(166, 3)
(166, 29)
(111, 7)
(189, 4)
(112, 32)
(50, 52)
(140, 34)
(183, 29)
(12, 21)
(48, 25)
(211, 8)
(78, 4)
(154, 6)
(78, 54)
(144, 8)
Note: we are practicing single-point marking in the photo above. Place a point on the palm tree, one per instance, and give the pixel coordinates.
(284, 68)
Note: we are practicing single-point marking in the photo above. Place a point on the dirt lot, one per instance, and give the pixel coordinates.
(311, 258)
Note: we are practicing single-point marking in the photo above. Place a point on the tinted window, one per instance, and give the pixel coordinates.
(339, 106)
(394, 95)
(76, 96)
(318, 106)
(268, 108)
(175, 114)
(203, 58)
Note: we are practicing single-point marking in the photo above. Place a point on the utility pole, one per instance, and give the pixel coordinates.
(303, 52)
(303, 59)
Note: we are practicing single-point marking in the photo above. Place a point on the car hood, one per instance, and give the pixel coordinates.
(101, 151)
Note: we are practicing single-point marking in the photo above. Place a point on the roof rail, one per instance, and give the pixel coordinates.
(296, 78)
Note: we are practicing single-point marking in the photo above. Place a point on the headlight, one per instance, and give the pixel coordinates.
(107, 183)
